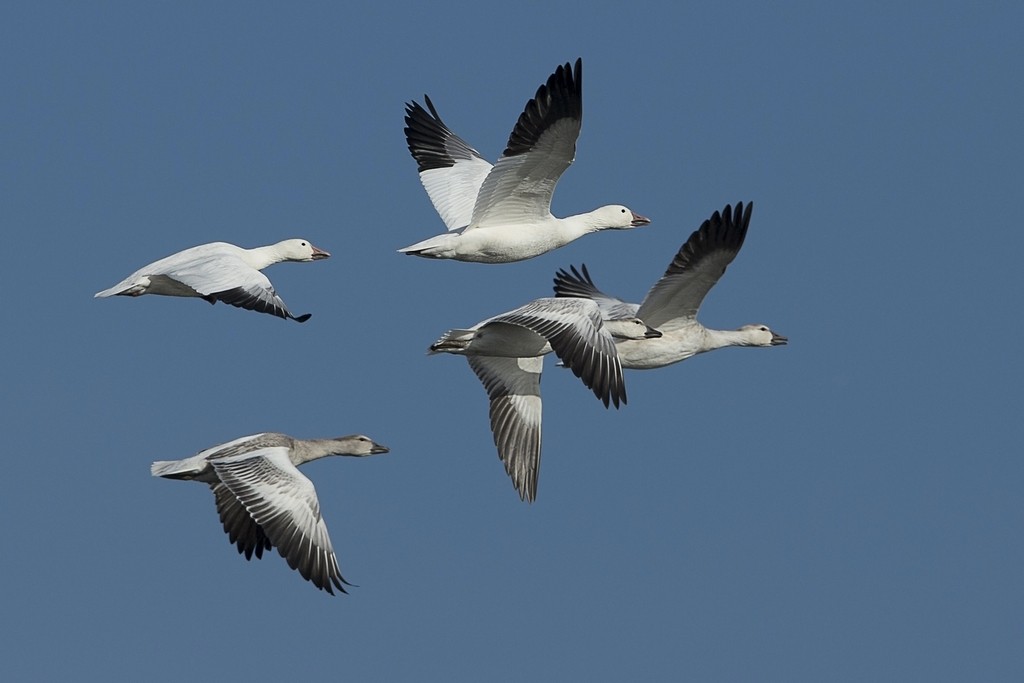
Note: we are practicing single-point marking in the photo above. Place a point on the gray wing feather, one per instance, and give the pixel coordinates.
(581, 285)
(574, 331)
(513, 387)
(283, 502)
(240, 527)
(674, 300)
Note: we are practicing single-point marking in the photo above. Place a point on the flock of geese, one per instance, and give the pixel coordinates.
(495, 213)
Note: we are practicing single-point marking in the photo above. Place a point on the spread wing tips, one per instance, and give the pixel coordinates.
(575, 283)
(561, 97)
(431, 143)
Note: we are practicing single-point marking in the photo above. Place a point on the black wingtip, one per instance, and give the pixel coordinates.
(431, 143)
(414, 108)
(302, 318)
(560, 97)
(333, 583)
(585, 276)
(724, 231)
(430, 106)
(575, 283)
(609, 399)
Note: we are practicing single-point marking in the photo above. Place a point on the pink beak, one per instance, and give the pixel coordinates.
(639, 220)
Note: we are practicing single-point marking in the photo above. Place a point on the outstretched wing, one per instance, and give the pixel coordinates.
(513, 387)
(451, 171)
(226, 277)
(674, 300)
(283, 502)
(241, 528)
(541, 146)
(573, 328)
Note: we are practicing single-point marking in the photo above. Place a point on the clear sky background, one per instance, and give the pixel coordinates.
(845, 508)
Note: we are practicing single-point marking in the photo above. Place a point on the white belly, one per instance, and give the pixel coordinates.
(645, 354)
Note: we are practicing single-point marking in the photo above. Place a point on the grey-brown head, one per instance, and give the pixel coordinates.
(630, 328)
(359, 445)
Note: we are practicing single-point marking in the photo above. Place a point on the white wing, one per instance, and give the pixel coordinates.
(451, 171)
(224, 276)
(513, 387)
(283, 502)
(541, 146)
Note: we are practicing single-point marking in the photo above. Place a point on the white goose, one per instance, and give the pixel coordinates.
(265, 502)
(502, 213)
(506, 353)
(672, 303)
(220, 272)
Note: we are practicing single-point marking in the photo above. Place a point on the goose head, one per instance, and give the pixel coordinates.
(359, 445)
(299, 250)
(617, 217)
(630, 328)
(762, 335)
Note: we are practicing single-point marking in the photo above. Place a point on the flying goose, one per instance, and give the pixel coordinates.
(265, 502)
(220, 272)
(506, 353)
(502, 213)
(672, 303)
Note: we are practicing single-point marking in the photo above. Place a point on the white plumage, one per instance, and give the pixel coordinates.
(672, 304)
(502, 213)
(220, 272)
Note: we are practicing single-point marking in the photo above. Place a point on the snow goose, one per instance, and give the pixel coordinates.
(264, 501)
(506, 353)
(672, 303)
(220, 272)
(502, 213)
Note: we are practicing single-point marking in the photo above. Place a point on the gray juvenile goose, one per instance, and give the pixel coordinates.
(265, 502)
(507, 354)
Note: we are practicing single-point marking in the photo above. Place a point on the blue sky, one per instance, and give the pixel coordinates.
(844, 508)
